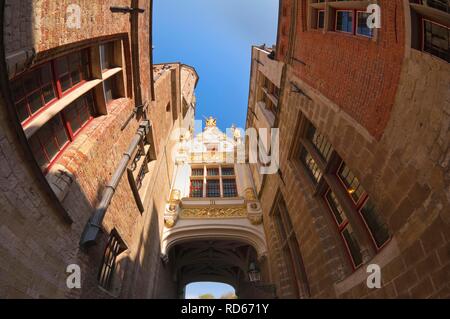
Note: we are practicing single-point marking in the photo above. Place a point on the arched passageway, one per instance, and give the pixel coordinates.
(225, 261)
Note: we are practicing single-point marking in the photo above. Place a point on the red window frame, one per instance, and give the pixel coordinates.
(42, 145)
(20, 83)
(341, 228)
(83, 79)
(87, 106)
(359, 206)
(55, 82)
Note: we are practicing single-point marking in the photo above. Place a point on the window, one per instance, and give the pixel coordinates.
(113, 249)
(197, 171)
(196, 188)
(344, 21)
(228, 171)
(345, 229)
(229, 188)
(213, 171)
(313, 169)
(343, 194)
(33, 91)
(361, 25)
(109, 89)
(48, 142)
(71, 70)
(320, 19)
(442, 5)
(269, 93)
(38, 89)
(436, 39)
(290, 250)
(218, 181)
(79, 113)
(107, 56)
(213, 188)
(363, 204)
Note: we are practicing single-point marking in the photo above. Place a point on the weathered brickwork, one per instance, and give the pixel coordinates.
(401, 159)
(36, 243)
(365, 80)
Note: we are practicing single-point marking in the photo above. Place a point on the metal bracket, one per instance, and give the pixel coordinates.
(117, 9)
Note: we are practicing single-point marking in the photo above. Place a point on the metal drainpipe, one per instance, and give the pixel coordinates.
(93, 227)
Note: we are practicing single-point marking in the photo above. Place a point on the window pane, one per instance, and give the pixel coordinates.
(197, 172)
(362, 27)
(436, 40)
(61, 66)
(31, 81)
(229, 188)
(65, 82)
(22, 111)
(344, 21)
(213, 171)
(38, 153)
(228, 171)
(107, 86)
(46, 74)
(35, 102)
(321, 19)
(48, 93)
(197, 188)
(378, 229)
(320, 142)
(213, 188)
(336, 208)
(311, 165)
(106, 55)
(352, 245)
(354, 188)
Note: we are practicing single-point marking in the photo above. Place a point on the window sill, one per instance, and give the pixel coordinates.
(110, 73)
(350, 4)
(383, 258)
(431, 13)
(34, 125)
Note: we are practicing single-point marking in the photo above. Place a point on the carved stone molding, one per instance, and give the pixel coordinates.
(214, 212)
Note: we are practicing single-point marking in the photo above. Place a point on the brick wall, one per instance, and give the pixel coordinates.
(400, 157)
(406, 173)
(365, 80)
(36, 244)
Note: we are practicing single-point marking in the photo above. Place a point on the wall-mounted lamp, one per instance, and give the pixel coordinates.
(254, 274)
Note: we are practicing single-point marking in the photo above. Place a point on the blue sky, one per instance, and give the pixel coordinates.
(215, 37)
(193, 291)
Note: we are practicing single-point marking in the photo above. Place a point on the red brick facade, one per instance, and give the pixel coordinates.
(43, 216)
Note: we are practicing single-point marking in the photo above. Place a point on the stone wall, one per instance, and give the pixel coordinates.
(406, 173)
(36, 242)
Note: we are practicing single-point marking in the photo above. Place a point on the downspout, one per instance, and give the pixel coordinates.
(150, 35)
(93, 227)
(134, 20)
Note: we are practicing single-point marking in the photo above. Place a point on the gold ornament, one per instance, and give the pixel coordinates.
(169, 222)
(209, 212)
(211, 122)
(250, 194)
(256, 220)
